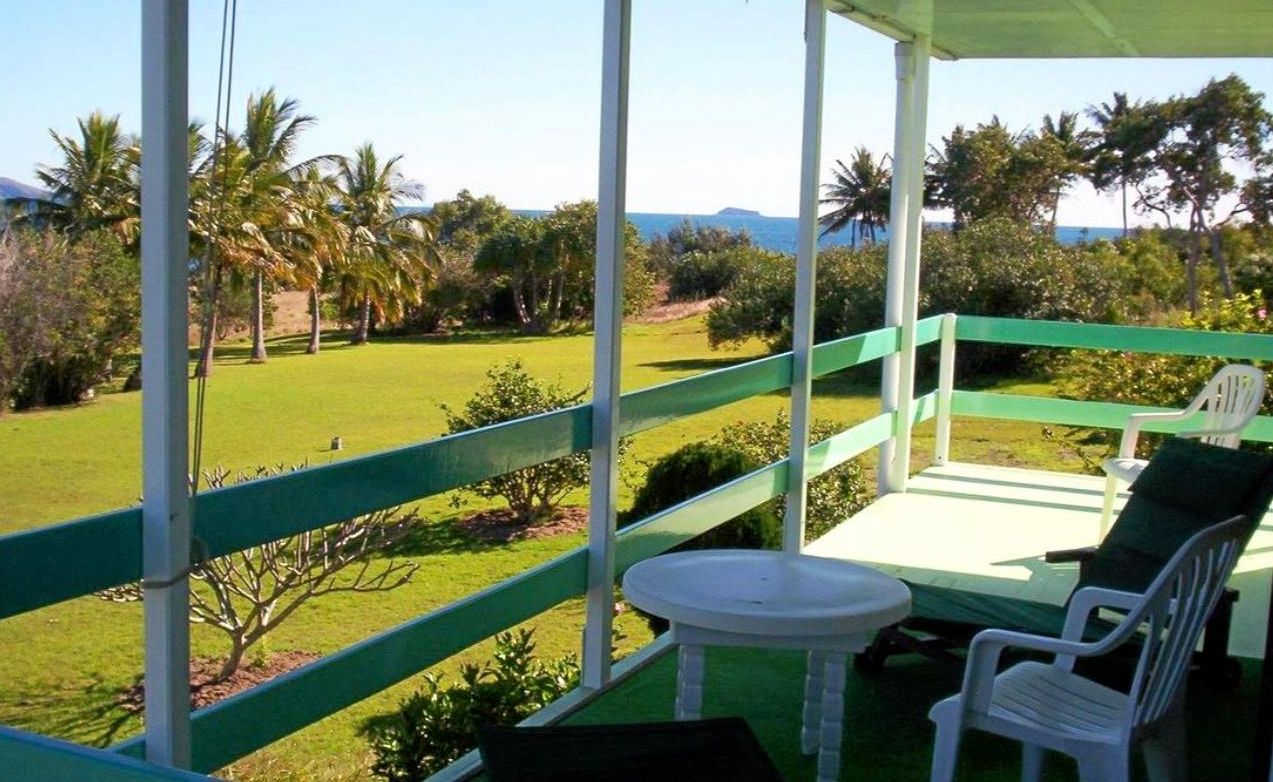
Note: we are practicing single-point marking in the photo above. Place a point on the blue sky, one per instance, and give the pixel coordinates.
(502, 97)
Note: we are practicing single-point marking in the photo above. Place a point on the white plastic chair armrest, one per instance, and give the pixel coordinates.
(983, 660)
(1131, 431)
(1213, 432)
(1082, 604)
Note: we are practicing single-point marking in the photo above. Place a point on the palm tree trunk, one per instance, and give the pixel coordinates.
(364, 321)
(315, 321)
(203, 367)
(1124, 207)
(258, 317)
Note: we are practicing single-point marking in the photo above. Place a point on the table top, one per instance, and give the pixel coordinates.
(766, 592)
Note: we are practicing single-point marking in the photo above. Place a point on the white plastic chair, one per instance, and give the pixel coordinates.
(1227, 403)
(1047, 706)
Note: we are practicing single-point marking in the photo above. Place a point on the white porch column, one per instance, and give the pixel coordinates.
(904, 103)
(914, 182)
(607, 342)
(166, 504)
(806, 270)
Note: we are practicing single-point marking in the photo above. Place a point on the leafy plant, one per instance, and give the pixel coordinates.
(510, 392)
(435, 726)
(831, 497)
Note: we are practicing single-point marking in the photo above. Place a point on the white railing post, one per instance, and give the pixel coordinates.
(900, 468)
(904, 61)
(607, 343)
(945, 387)
(166, 503)
(806, 274)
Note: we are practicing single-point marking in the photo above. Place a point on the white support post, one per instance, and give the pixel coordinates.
(166, 503)
(607, 342)
(900, 470)
(903, 56)
(806, 273)
(945, 388)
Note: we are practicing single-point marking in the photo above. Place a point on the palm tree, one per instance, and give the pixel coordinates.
(860, 192)
(1073, 145)
(389, 257)
(1126, 139)
(96, 186)
(317, 246)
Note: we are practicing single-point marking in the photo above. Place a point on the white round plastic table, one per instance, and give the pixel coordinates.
(736, 597)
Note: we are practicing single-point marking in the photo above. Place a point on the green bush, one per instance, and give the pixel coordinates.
(831, 497)
(696, 468)
(435, 726)
(510, 392)
(704, 274)
(685, 238)
(1161, 379)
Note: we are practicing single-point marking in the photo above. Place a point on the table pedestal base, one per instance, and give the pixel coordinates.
(822, 723)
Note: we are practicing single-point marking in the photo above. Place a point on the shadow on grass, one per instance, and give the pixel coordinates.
(92, 716)
(694, 364)
(437, 537)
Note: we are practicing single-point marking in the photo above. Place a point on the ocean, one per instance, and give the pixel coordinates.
(779, 233)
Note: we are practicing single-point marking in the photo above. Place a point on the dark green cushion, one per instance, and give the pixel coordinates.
(717, 749)
(1186, 487)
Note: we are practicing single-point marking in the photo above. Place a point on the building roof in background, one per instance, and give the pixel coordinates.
(11, 188)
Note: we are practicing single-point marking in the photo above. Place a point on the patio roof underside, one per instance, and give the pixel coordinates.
(965, 29)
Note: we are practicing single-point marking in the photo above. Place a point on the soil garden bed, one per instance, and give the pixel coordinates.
(205, 693)
(501, 526)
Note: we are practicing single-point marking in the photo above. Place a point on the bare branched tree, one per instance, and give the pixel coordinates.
(249, 593)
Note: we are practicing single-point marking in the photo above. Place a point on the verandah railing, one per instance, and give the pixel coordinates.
(45, 566)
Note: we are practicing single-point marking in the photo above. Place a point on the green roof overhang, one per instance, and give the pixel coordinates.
(967, 29)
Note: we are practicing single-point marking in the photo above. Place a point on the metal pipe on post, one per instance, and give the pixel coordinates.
(806, 274)
(945, 389)
(914, 181)
(607, 342)
(904, 60)
(166, 500)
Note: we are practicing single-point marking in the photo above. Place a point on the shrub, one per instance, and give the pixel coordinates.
(1160, 379)
(436, 726)
(703, 274)
(693, 469)
(66, 308)
(831, 497)
(510, 392)
(686, 237)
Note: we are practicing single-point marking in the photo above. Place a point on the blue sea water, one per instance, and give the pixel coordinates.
(779, 233)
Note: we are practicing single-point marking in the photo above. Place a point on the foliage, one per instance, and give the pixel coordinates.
(466, 221)
(1161, 379)
(66, 309)
(435, 726)
(510, 392)
(96, 184)
(694, 469)
(831, 497)
(249, 594)
(685, 238)
(702, 274)
(860, 192)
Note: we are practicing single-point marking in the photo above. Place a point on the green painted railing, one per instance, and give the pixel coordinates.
(31, 758)
(1110, 415)
(33, 569)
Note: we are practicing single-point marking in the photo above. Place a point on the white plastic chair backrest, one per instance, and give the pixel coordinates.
(1230, 400)
(1174, 613)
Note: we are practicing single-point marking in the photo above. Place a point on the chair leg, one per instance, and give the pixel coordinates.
(1165, 751)
(1031, 762)
(1105, 765)
(1107, 507)
(946, 748)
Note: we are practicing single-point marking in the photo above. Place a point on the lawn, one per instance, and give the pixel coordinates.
(61, 668)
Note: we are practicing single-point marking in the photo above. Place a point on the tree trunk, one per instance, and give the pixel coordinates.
(364, 322)
(203, 367)
(315, 321)
(232, 663)
(1124, 208)
(1191, 270)
(1222, 266)
(258, 317)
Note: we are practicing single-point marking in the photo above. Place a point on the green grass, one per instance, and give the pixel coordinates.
(62, 667)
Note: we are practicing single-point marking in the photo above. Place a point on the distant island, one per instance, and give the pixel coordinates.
(733, 211)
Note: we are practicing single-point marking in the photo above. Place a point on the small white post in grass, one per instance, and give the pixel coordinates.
(806, 270)
(914, 183)
(904, 60)
(945, 388)
(607, 342)
(165, 258)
